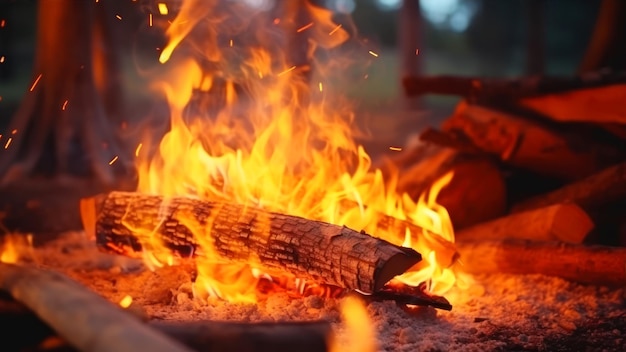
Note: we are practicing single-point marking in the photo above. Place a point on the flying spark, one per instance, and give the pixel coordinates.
(335, 30)
(417, 51)
(3, 23)
(35, 83)
(305, 27)
(150, 20)
(373, 53)
(138, 149)
(6, 146)
(64, 105)
(287, 70)
(14, 131)
(321, 86)
(230, 43)
(163, 8)
(1, 59)
(113, 160)
(118, 17)
(395, 149)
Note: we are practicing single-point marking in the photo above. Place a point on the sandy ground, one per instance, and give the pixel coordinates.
(497, 312)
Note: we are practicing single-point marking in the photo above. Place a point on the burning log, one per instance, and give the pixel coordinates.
(84, 319)
(598, 265)
(529, 145)
(561, 222)
(604, 187)
(308, 249)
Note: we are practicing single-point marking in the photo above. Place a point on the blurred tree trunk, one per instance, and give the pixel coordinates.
(606, 48)
(409, 42)
(60, 128)
(536, 37)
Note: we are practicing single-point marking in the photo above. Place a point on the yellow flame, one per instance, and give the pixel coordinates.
(247, 128)
(359, 332)
(15, 247)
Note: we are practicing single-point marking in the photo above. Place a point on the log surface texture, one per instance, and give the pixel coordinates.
(274, 242)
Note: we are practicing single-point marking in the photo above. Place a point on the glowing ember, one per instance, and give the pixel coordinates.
(246, 128)
(126, 301)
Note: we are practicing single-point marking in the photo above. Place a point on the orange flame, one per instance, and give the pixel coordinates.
(246, 128)
(15, 247)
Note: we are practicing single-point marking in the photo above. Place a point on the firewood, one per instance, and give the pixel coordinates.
(84, 319)
(477, 180)
(595, 105)
(604, 187)
(529, 145)
(598, 265)
(486, 90)
(561, 222)
(249, 337)
(308, 249)
(311, 336)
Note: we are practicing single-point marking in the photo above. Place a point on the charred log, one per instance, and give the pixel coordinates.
(308, 249)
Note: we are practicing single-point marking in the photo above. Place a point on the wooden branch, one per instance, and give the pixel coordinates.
(598, 265)
(604, 187)
(561, 222)
(213, 336)
(275, 242)
(479, 89)
(86, 320)
(249, 337)
(594, 105)
(528, 145)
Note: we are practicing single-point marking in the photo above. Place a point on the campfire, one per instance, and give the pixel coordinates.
(258, 222)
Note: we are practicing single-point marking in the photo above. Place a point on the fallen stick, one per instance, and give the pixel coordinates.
(275, 242)
(561, 222)
(84, 319)
(496, 90)
(604, 187)
(598, 265)
(212, 336)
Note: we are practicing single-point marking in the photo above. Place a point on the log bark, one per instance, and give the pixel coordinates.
(84, 319)
(529, 145)
(561, 222)
(308, 249)
(606, 186)
(598, 265)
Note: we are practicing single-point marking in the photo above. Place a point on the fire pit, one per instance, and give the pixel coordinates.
(259, 223)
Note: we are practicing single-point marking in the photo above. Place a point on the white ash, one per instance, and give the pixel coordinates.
(498, 312)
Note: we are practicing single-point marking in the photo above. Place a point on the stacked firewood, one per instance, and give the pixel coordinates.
(540, 172)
